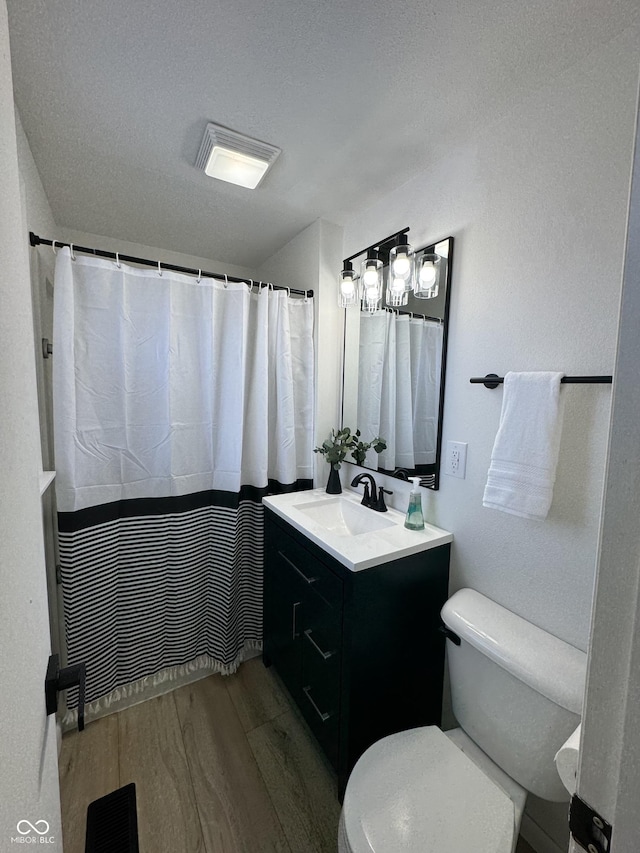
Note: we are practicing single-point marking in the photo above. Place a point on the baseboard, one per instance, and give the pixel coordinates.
(537, 837)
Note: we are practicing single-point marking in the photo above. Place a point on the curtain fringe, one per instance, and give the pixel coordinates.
(159, 683)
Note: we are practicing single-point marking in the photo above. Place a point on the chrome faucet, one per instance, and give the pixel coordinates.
(375, 499)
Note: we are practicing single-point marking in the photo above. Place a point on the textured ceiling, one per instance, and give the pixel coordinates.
(359, 94)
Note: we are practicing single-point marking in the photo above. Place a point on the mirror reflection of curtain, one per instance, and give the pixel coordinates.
(399, 387)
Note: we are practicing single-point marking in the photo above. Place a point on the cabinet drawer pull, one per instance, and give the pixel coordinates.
(296, 604)
(296, 569)
(307, 692)
(322, 654)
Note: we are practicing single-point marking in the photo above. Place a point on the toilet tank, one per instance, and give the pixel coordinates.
(517, 691)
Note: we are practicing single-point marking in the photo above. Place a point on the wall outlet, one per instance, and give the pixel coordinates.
(455, 464)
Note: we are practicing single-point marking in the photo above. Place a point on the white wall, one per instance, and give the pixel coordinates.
(28, 781)
(537, 202)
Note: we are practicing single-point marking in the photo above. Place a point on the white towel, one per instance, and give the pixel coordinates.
(525, 453)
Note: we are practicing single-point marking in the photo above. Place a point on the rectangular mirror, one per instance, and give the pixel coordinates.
(394, 370)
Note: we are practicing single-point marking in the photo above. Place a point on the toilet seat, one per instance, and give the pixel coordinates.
(415, 792)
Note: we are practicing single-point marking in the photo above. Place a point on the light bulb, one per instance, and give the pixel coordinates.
(401, 265)
(397, 285)
(370, 278)
(427, 273)
(347, 286)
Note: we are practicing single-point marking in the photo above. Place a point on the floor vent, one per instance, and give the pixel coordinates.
(112, 823)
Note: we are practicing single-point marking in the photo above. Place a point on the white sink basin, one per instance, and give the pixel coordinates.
(355, 535)
(343, 517)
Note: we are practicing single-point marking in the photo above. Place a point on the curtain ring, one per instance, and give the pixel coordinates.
(73, 257)
(306, 296)
(53, 246)
(199, 279)
(288, 293)
(159, 269)
(251, 286)
(118, 264)
(226, 281)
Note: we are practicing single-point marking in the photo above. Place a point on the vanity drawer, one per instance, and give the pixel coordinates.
(314, 573)
(320, 700)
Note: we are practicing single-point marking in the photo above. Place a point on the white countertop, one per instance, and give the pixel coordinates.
(363, 550)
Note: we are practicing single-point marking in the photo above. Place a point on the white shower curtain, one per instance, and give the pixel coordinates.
(177, 405)
(399, 387)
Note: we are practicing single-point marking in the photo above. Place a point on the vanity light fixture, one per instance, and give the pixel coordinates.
(371, 278)
(348, 286)
(401, 273)
(366, 290)
(401, 264)
(427, 284)
(230, 156)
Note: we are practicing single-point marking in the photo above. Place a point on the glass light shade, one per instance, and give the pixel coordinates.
(401, 266)
(371, 283)
(427, 283)
(348, 287)
(396, 295)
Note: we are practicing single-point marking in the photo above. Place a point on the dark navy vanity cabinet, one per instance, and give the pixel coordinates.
(360, 652)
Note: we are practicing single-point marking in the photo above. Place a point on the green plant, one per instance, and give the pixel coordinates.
(360, 448)
(336, 447)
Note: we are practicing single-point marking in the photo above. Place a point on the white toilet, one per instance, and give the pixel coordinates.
(517, 694)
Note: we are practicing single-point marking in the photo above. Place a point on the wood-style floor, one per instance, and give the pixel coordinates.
(224, 765)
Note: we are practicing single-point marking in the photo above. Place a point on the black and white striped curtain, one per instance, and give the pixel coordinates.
(178, 404)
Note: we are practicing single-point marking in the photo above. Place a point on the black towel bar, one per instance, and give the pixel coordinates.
(492, 380)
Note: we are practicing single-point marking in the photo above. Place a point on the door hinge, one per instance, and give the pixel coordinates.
(588, 829)
(58, 574)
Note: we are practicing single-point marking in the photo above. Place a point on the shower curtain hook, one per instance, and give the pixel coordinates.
(288, 293)
(73, 257)
(118, 264)
(226, 281)
(159, 269)
(251, 286)
(53, 246)
(199, 279)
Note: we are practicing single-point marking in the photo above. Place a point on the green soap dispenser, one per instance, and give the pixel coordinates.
(415, 518)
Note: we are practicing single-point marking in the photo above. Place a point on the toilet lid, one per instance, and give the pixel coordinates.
(415, 791)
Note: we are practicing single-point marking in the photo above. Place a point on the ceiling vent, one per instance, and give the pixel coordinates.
(232, 157)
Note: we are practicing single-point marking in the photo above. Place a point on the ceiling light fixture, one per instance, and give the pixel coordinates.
(230, 156)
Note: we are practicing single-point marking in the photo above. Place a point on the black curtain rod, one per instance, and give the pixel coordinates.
(492, 380)
(412, 314)
(378, 244)
(100, 253)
